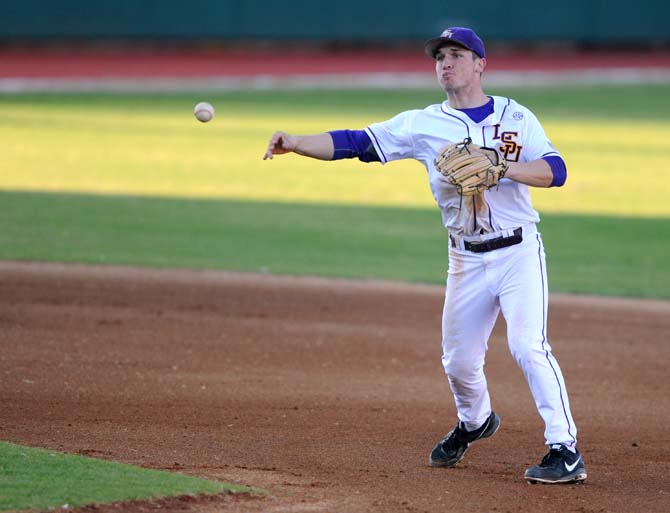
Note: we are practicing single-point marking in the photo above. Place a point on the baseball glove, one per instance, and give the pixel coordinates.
(471, 168)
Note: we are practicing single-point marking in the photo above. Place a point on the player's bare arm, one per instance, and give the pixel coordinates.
(318, 146)
(536, 173)
(333, 145)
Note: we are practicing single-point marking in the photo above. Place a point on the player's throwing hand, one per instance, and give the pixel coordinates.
(280, 143)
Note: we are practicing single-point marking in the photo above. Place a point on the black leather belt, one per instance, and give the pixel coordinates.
(492, 244)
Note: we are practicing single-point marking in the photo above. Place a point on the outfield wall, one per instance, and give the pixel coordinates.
(573, 21)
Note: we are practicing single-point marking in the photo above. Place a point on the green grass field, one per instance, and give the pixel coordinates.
(40, 479)
(614, 139)
(596, 254)
(136, 180)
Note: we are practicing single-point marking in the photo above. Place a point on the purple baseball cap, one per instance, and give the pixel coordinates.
(462, 36)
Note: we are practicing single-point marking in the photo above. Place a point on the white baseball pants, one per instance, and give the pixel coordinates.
(480, 285)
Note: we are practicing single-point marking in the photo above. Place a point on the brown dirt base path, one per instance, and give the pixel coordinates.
(330, 394)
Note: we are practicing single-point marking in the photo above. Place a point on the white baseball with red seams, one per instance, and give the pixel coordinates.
(204, 112)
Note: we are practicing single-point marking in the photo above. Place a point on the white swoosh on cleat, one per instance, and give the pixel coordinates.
(570, 468)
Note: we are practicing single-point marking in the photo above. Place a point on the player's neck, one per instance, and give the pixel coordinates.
(463, 99)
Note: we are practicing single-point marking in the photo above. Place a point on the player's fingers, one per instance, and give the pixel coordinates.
(272, 144)
(277, 145)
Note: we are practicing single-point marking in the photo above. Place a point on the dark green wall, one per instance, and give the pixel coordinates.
(595, 21)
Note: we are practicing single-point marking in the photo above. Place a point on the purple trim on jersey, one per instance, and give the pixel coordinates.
(479, 114)
(349, 144)
(504, 110)
(474, 216)
(558, 170)
(544, 339)
(455, 117)
(378, 145)
(484, 143)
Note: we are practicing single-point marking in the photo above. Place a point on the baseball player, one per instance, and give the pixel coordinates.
(496, 254)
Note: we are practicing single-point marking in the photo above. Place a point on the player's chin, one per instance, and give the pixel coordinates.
(446, 83)
(446, 88)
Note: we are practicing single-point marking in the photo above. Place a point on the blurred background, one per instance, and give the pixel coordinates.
(103, 162)
(260, 41)
(574, 24)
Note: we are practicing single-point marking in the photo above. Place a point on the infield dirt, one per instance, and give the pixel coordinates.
(328, 393)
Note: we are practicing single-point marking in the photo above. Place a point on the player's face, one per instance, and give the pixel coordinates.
(458, 68)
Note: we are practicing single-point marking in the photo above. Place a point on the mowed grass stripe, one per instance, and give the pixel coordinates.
(586, 254)
(33, 478)
(614, 139)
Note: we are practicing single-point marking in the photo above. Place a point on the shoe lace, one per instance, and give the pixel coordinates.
(551, 458)
(454, 438)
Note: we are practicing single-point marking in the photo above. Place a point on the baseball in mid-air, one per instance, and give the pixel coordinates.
(204, 112)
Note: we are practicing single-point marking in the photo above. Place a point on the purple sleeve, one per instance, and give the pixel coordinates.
(558, 169)
(351, 144)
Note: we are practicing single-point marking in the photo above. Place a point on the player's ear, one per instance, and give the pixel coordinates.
(480, 64)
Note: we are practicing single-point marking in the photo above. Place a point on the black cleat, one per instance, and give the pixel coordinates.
(452, 448)
(560, 465)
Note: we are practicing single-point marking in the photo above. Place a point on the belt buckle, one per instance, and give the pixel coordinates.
(478, 247)
(497, 243)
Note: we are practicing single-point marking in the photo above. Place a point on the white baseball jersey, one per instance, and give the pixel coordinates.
(481, 285)
(421, 134)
